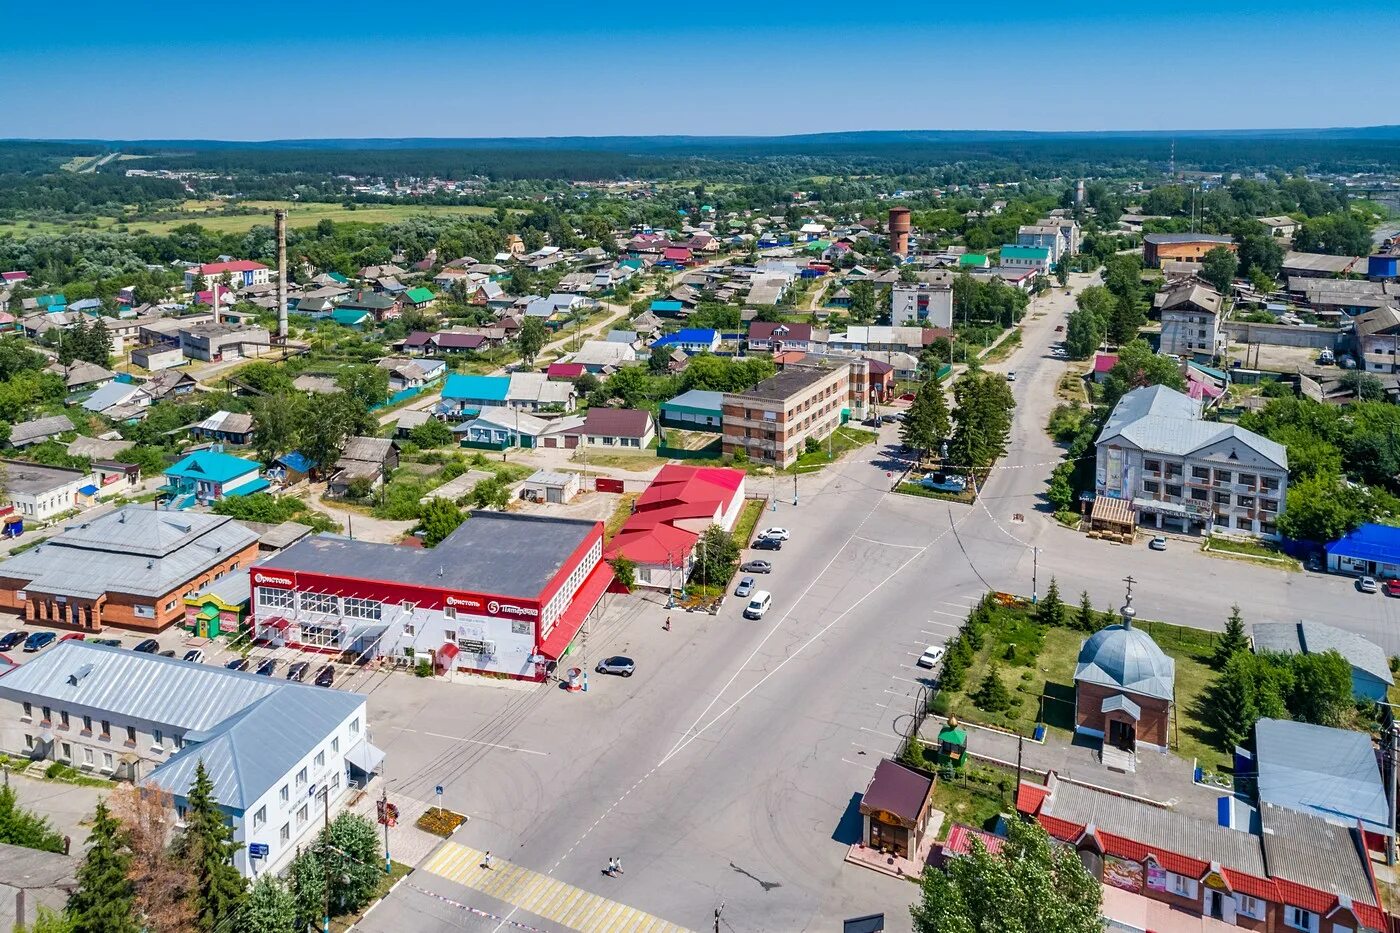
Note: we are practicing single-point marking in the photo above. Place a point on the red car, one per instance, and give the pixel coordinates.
(72, 636)
(1392, 587)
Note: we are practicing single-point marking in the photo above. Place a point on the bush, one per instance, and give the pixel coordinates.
(424, 668)
(940, 704)
(992, 694)
(813, 445)
(60, 771)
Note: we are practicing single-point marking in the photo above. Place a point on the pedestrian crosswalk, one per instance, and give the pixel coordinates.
(542, 895)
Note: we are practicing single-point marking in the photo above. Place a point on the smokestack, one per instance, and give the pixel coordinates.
(280, 221)
(899, 231)
(214, 300)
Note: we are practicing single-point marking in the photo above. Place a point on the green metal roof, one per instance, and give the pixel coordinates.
(972, 259)
(419, 295)
(1025, 252)
(349, 316)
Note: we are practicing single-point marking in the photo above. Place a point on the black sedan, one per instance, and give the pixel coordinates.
(109, 642)
(267, 667)
(756, 566)
(325, 676)
(237, 664)
(617, 664)
(768, 544)
(297, 670)
(11, 639)
(149, 646)
(39, 640)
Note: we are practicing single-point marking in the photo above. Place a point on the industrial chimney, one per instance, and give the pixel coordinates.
(899, 231)
(280, 221)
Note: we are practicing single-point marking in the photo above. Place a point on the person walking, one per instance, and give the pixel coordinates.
(617, 865)
(611, 869)
(486, 862)
(667, 624)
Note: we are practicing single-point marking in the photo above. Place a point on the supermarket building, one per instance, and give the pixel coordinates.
(503, 594)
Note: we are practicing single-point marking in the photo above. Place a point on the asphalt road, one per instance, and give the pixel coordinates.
(727, 771)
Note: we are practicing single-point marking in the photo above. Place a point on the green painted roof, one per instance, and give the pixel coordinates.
(1025, 252)
(972, 259)
(349, 316)
(419, 295)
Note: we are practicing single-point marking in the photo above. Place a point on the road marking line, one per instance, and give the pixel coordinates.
(906, 680)
(951, 615)
(509, 748)
(857, 764)
(888, 735)
(911, 547)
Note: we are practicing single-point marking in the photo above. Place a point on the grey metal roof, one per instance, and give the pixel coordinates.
(131, 550)
(1156, 827)
(249, 752)
(550, 478)
(492, 553)
(33, 479)
(232, 588)
(1159, 239)
(1160, 420)
(696, 398)
(1314, 852)
(97, 449)
(1336, 779)
(1315, 638)
(1119, 702)
(1126, 658)
(26, 432)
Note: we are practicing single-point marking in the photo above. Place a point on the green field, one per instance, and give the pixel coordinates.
(298, 215)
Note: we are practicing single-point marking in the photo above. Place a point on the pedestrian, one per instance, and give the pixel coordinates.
(617, 865)
(486, 862)
(611, 868)
(667, 624)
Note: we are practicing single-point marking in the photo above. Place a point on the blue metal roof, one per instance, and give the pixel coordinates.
(702, 335)
(1380, 543)
(486, 388)
(295, 461)
(212, 466)
(1337, 778)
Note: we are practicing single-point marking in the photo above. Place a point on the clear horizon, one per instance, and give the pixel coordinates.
(317, 70)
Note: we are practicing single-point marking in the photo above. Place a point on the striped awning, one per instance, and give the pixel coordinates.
(1112, 511)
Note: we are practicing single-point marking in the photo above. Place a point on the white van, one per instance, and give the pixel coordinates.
(758, 605)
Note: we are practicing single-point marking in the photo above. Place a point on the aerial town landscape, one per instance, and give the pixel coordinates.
(414, 520)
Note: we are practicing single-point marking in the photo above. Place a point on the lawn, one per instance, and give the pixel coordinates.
(620, 514)
(841, 440)
(749, 518)
(641, 460)
(1258, 552)
(914, 489)
(1036, 664)
(975, 797)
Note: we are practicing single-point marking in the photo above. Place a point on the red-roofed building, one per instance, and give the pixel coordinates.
(677, 254)
(241, 272)
(669, 517)
(1297, 873)
(1103, 365)
(565, 372)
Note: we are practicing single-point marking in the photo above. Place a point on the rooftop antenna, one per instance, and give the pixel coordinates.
(1128, 612)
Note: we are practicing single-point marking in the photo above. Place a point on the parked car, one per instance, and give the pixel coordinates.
(1326, 358)
(617, 664)
(11, 639)
(1158, 543)
(195, 656)
(297, 670)
(39, 640)
(1011, 375)
(768, 544)
(1367, 585)
(944, 482)
(782, 534)
(756, 566)
(871, 422)
(898, 416)
(72, 636)
(1392, 587)
(325, 676)
(758, 605)
(267, 667)
(149, 646)
(109, 642)
(168, 653)
(745, 587)
(237, 664)
(931, 656)
(888, 419)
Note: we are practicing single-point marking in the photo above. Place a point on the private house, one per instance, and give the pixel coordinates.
(689, 340)
(221, 607)
(240, 272)
(1282, 227)
(272, 748)
(129, 568)
(466, 396)
(420, 299)
(970, 261)
(669, 517)
(26, 433)
(1180, 247)
(769, 337)
(537, 392)
(696, 410)
(82, 376)
(1375, 339)
(377, 306)
(616, 427)
(1370, 668)
(1124, 686)
(207, 476)
(170, 386)
(225, 427)
(882, 338)
(1161, 868)
(406, 374)
(499, 428)
(603, 356)
(38, 493)
(120, 401)
(370, 459)
(1190, 321)
(1158, 457)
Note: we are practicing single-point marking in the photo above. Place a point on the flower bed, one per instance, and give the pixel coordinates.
(440, 822)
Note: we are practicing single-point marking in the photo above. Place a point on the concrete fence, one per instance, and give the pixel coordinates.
(1282, 335)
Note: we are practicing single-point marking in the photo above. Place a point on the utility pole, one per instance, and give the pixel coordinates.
(1388, 750)
(718, 911)
(794, 489)
(1035, 575)
(1019, 742)
(384, 806)
(326, 917)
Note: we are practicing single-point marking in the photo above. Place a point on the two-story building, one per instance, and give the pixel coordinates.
(771, 422)
(240, 272)
(1044, 235)
(279, 753)
(503, 594)
(1190, 321)
(1158, 248)
(1375, 339)
(206, 476)
(1174, 469)
(1033, 259)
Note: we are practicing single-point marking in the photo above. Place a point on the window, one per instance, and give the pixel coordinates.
(301, 778)
(269, 598)
(519, 628)
(1200, 473)
(1222, 498)
(285, 833)
(180, 814)
(1151, 486)
(301, 816)
(87, 723)
(67, 752)
(1152, 466)
(156, 736)
(1245, 479)
(108, 764)
(1245, 502)
(320, 602)
(320, 759)
(1199, 495)
(260, 817)
(1182, 885)
(1174, 492)
(106, 729)
(28, 740)
(449, 612)
(1300, 919)
(170, 605)
(1249, 906)
(355, 726)
(144, 612)
(409, 629)
(131, 734)
(335, 745)
(335, 781)
(178, 741)
(1222, 476)
(320, 636)
(28, 711)
(63, 718)
(283, 793)
(362, 608)
(47, 713)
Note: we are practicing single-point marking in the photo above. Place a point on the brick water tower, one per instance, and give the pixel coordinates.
(899, 231)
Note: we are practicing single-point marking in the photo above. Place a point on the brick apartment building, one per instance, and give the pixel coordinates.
(131, 568)
(1158, 248)
(771, 422)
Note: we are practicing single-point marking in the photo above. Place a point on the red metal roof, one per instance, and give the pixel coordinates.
(565, 370)
(237, 265)
(677, 253)
(1103, 362)
(959, 841)
(592, 590)
(1029, 797)
(658, 544)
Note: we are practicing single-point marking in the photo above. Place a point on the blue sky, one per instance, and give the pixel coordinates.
(314, 68)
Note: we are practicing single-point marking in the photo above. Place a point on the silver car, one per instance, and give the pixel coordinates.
(745, 587)
(616, 665)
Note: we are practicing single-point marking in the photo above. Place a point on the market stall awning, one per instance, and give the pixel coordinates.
(364, 757)
(592, 590)
(1112, 511)
(447, 653)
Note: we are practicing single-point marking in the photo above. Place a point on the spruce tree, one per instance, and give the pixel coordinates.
(927, 422)
(1231, 640)
(103, 900)
(208, 846)
(1051, 610)
(1233, 703)
(1088, 619)
(992, 694)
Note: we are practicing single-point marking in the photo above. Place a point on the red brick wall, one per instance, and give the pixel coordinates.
(1152, 728)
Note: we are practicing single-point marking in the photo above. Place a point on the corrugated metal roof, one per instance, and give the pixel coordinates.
(1337, 778)
(1315, 638)
(1161, 420)
(1127, 658)
(1313, 852)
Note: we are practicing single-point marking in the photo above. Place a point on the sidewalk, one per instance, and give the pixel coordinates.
(1160, 777)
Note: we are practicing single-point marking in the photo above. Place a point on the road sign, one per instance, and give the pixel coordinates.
(438, 790)
(258, 850)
